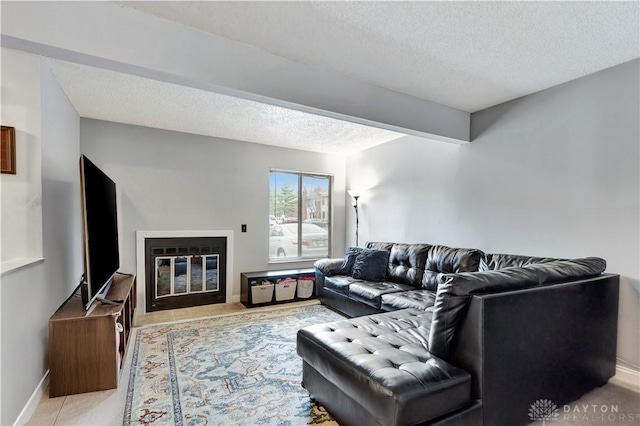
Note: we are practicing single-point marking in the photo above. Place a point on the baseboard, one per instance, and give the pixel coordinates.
(33, 401)
(235, 298)
(627, 377)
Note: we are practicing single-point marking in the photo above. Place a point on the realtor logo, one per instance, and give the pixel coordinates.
(543, 409)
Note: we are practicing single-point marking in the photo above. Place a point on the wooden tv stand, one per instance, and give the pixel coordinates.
(83, 356)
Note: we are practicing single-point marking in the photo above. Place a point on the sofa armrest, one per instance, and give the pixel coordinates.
(555, 342)
(455, 290)
(326, 268)
(329, 267)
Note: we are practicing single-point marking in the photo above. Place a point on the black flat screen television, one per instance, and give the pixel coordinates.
(100, 231)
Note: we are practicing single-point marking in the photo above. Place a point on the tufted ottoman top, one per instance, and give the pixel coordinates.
(382, 361)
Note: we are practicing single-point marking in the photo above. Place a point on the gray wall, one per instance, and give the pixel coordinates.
(32, 294)
(177, 181)
(555, 173)
(21, 195)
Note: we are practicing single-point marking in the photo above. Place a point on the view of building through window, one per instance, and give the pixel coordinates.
(299, 215)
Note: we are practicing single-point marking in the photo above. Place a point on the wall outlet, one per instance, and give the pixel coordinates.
(244, 228)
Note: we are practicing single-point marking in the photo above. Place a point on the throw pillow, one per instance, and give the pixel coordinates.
(349, 260)
(371, 265)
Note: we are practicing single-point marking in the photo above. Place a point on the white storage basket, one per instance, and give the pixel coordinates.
(262, 293)
(305, 287)
(286, 289)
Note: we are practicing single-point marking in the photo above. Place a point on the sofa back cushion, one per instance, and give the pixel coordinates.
(447, 260)
(406, 263)
(496, 261)
(379, 246)
(564, 270)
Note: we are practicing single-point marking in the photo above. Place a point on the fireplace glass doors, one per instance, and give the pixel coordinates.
(179, 275)
(183, 272)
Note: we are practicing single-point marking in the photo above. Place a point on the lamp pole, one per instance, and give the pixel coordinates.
(355, 206)
(355, 194)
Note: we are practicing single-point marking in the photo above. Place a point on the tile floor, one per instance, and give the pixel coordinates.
(107, 407)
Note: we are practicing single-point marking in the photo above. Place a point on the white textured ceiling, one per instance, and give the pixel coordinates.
(123, 98)
(466, 55)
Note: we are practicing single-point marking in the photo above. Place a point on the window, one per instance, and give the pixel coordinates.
(299, 216)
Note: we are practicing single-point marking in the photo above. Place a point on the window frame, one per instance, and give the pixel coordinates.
(301, 175)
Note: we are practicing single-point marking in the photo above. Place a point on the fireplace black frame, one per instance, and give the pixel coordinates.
(184, 246)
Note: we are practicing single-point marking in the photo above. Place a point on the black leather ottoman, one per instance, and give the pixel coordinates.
(377, 369)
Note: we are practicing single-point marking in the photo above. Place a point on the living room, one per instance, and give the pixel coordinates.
(551, 172)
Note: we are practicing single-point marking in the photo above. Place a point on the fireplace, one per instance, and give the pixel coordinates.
(179, 269)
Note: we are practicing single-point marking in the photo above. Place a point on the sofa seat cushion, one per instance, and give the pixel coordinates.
(418, 299)
(340, 283)
(369, 292)
(382, 361)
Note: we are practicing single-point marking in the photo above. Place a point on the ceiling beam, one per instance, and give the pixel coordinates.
(113, 37)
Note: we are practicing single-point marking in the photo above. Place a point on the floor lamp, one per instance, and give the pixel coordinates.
(355, 194)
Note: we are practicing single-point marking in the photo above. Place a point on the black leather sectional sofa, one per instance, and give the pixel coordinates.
(460, 337)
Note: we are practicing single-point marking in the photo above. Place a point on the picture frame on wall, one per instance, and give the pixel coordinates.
(8, 150)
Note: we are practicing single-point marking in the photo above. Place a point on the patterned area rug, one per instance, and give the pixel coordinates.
(238, 369)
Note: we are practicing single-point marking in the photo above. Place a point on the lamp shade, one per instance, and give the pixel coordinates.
(354, 193)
